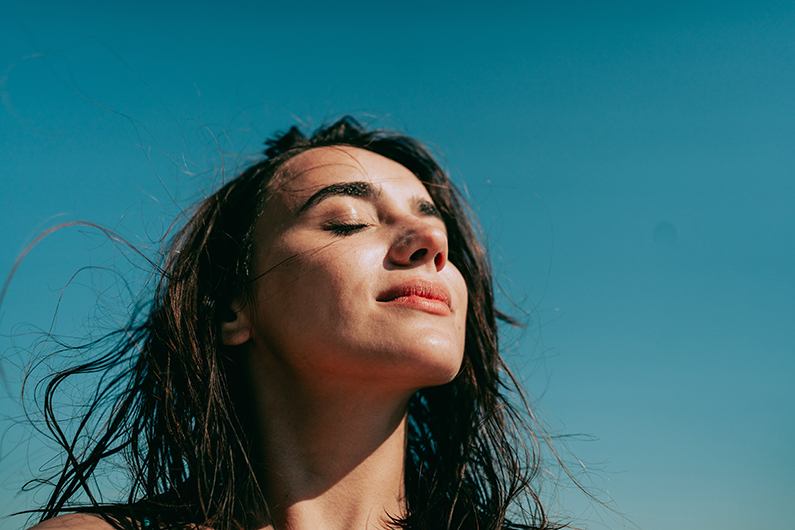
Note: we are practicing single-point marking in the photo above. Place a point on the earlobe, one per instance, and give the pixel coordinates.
(236, 331)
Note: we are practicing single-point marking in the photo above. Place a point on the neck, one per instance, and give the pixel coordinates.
(332, 456)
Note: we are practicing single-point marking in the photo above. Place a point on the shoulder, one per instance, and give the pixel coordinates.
(73, 521)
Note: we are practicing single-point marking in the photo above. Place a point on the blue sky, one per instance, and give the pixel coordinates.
(631, 164)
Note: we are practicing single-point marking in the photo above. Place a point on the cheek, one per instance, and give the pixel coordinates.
(315, 291)
(461, 297)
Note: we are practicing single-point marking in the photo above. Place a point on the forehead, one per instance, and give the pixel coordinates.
(312, 170)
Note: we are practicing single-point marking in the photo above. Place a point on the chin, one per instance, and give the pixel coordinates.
(439, 370)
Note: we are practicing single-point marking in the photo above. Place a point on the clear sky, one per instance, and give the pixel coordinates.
(632, 163)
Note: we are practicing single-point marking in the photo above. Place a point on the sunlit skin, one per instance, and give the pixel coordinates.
(354, 306)
(324, 268)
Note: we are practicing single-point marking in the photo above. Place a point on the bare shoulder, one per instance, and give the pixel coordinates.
(73, 521)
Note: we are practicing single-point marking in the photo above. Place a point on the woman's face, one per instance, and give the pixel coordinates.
(352, 280)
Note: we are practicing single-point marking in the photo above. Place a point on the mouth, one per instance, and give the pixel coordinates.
(423, 295)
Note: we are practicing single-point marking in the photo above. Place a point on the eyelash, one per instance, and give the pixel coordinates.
(344, 229)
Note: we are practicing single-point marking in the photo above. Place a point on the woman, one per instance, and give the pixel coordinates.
(320, 352)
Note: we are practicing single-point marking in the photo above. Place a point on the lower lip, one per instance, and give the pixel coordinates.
(435, 307)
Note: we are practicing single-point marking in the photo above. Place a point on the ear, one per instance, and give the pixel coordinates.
(236, 327)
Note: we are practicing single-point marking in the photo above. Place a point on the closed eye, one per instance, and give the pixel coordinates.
(343, 229)
(429, 208)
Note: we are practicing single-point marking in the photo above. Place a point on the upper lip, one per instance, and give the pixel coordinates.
(418, 287)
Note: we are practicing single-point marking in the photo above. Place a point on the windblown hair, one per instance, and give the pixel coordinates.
(177, 411)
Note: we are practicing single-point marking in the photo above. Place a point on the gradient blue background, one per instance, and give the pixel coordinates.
(631, 163)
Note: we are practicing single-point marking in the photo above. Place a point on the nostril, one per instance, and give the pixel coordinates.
(419, 254)
(438, 260)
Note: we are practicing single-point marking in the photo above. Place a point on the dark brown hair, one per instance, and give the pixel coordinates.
(175, 413)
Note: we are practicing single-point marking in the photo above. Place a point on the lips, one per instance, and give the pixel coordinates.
(424, 295)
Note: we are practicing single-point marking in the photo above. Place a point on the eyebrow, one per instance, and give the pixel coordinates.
(363, 190)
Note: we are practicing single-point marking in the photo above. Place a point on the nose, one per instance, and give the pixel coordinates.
(418, 243)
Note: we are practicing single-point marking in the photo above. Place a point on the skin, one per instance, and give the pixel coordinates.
(73, 521)
(354, 307)
(321, 268)
(334, 366)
